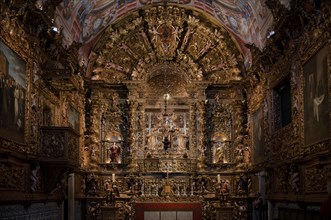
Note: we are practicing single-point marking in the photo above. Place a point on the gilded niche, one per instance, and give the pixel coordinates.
(106, 128)
(226, 128)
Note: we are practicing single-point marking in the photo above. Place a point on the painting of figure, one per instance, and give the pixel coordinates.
(73, 118)
(258, 136)
(12, 94)
(316, 97)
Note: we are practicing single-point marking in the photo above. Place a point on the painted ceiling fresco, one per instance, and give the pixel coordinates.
(248, 21)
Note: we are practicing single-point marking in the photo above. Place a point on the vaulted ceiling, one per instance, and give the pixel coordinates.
(246, 21)
(166, 46)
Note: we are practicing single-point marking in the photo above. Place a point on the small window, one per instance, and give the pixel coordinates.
(282, 104)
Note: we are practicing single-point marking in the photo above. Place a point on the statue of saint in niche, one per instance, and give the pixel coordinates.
(166, 143)
(152, 139)
(114, 153)
(219, 153)
(182, 139)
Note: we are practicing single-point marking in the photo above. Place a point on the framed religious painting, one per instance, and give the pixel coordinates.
(12, 94)
(258, 136)
(316, 97)
(73, 118)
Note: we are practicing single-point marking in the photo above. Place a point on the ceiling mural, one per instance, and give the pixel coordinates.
(165, 41)
(82, 21)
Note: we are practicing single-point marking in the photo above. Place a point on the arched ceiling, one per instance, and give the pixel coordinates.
(162, 44)
(247, 21)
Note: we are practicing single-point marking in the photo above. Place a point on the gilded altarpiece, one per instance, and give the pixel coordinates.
(161, 124)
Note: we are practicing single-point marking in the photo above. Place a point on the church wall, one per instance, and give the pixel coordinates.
(295, 157)
(35, 166)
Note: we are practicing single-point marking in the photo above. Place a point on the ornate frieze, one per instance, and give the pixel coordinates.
(175, 165)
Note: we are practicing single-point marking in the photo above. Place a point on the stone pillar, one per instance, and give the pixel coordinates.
(71, 196)
(262, 185)
(270, 210)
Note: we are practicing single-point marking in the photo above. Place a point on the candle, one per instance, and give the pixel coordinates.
(113, 177)
(218, 178)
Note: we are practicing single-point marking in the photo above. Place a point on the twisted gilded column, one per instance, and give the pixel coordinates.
(133, 105)
(192, 129)
(198, 121)
(141, 127)
(134, 124)
(201, 128)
